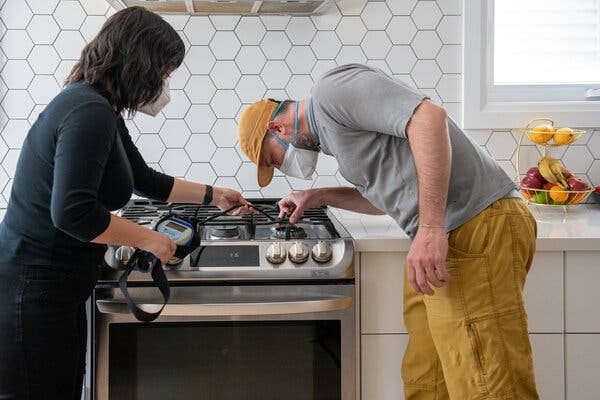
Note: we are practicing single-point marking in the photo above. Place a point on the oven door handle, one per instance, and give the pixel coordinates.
(325, 304)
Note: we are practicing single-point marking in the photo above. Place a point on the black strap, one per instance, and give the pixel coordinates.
(144, 261)
(183, 251)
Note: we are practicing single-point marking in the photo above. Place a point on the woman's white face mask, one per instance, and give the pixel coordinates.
(299, 163)
(163, 99)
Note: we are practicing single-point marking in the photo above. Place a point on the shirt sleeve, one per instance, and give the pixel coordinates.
(366, 99)
(148, 182)
(84, 140)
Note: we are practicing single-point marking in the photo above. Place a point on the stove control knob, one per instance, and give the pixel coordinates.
(298, 252)
(123, 255)
(276, 253)
(321, 252)
(174, 261)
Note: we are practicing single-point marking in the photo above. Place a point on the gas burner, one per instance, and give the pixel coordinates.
(279, 232)
(224, 232)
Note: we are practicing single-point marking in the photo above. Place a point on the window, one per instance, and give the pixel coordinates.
(530, 58)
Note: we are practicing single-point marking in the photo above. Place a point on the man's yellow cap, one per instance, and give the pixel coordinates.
(252, 129)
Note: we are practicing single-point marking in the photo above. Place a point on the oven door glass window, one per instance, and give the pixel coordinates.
(226, 360)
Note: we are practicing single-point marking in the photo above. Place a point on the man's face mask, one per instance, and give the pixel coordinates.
(299, 163)
(163, 99)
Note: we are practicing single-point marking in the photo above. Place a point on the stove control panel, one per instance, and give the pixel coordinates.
(298, 252)
(267, 259)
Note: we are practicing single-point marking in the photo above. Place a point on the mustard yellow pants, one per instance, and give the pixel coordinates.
(469, 340)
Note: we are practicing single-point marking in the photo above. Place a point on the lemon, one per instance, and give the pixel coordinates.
(541, 134)
(563, 136)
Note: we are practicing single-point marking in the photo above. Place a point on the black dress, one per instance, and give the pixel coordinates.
(77, 164)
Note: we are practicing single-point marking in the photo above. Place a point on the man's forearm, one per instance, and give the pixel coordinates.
(430, 144)
(346, 198)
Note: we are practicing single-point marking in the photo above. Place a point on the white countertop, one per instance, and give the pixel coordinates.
(577, 228)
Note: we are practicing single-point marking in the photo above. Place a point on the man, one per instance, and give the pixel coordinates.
(473, 237)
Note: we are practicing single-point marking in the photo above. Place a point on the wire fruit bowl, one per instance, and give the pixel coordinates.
(549, 197)
(546, 134)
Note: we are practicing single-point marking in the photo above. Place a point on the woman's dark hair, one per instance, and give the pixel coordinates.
(129, 58)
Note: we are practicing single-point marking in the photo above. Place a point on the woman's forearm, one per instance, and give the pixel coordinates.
(123, 232)
(127, 233)
(187, 192)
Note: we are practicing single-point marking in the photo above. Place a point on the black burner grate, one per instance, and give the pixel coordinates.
(145, 211)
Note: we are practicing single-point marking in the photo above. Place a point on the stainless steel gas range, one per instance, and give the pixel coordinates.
(260, 310)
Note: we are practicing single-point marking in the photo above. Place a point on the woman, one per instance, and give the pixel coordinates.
(77, 163)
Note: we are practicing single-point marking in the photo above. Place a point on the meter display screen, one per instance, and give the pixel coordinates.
(176, 227)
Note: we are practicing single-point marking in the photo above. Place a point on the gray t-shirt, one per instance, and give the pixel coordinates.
(359, 115)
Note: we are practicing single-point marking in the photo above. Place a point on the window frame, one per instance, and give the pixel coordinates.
(487, 106)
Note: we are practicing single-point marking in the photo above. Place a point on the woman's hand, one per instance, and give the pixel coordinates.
(158, 244)
(226, 198)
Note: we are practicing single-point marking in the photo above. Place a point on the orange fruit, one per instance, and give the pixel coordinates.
(548, 185)
(526, 194)
(541, 134)
(576, 198)
(563, 136)
(558, 194)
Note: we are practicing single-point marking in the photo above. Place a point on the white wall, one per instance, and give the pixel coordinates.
(232, 61)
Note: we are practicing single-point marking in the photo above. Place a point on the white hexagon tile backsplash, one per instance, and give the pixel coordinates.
(232, 61)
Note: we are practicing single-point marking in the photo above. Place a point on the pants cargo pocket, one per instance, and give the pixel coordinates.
(477, 349)
(492, 340)
(457, 340)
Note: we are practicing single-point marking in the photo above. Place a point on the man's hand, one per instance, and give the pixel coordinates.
(426, 261)
(226, 198)
(295, 203)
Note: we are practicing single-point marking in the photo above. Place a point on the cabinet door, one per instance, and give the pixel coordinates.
(583, 366)
(548, 361)
(381, 361)
(582, 297)
(544, 293)
(381, 286)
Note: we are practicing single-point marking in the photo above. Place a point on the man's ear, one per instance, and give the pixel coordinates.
(276, 127)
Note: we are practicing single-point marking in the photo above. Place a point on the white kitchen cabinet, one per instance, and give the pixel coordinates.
(583, 366)
(381, 357)
(381, 288)
(544, 289)
(381, 361)
(582, 297)
(382, 280)
(548, 361)
(383, 335)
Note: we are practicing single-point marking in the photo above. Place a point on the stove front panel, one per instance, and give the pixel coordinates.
(246, 260)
